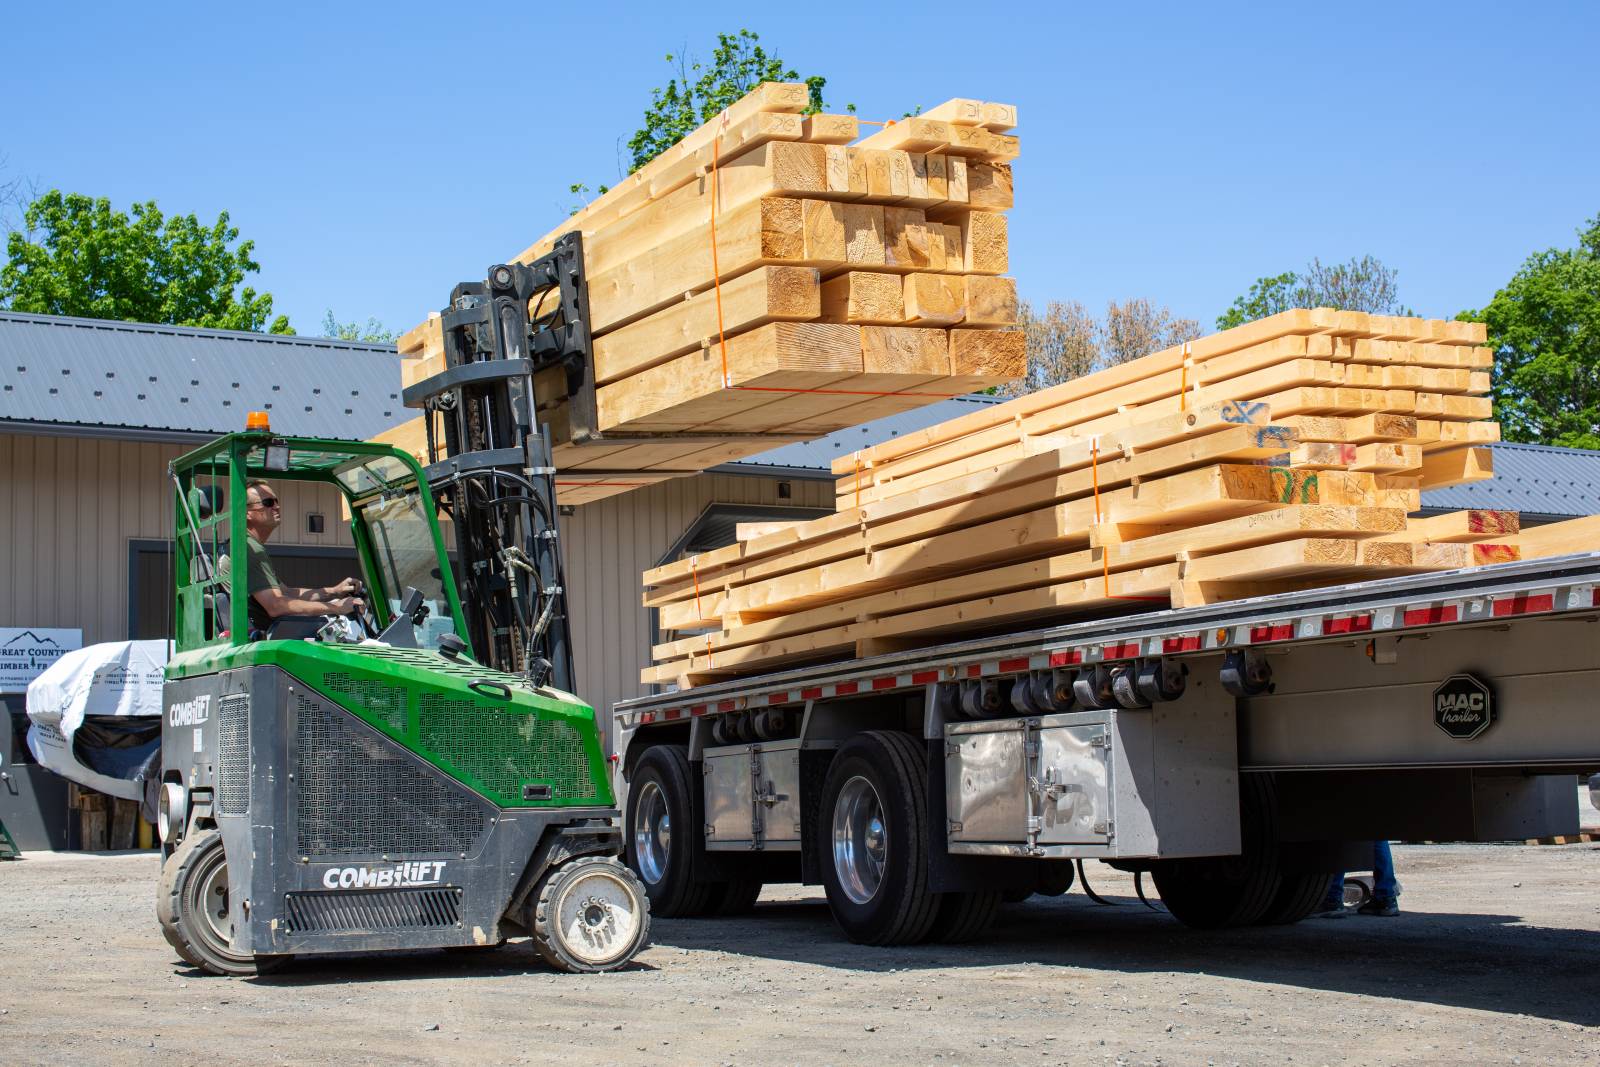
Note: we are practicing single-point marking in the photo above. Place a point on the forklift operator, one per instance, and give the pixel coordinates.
(270, 598)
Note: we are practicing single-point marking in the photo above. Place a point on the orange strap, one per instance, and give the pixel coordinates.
(716, 282)
(1105, 556)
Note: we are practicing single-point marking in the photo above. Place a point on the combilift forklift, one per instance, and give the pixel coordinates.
(419, 774)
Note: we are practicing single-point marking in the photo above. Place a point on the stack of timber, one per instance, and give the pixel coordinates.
(774, 277)
(1286, 454)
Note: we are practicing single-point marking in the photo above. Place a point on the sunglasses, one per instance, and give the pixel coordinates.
(266, 502)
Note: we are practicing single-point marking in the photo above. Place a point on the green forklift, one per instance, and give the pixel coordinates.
(412, 771)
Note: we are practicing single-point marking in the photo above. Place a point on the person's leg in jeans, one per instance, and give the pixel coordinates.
(1385, 889)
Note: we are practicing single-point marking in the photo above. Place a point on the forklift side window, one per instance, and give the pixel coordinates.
(404, 558)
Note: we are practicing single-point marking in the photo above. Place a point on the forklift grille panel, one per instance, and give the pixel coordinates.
(372, 696)
(233, 755)
(359, 794)
(362, 910)
(506, 749)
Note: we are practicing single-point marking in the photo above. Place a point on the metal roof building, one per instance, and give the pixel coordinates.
(136, 380)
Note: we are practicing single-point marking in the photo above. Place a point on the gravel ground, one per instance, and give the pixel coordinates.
(1494, 961)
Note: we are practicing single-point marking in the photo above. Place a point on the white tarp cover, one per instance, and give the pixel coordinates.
(117, 679)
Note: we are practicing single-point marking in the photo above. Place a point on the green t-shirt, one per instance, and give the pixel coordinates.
(259, 575)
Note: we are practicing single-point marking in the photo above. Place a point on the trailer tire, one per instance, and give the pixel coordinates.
(1212, 892)
(1297, 898)
(192, 879)
(658, 828)
(733, 898)
(873, 840)
(964, 916)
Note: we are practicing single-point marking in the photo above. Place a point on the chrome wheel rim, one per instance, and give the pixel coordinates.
(652, 836)
(860, 840)
(597, 917)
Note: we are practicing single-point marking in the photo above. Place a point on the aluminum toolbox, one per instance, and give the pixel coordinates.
(753, 796)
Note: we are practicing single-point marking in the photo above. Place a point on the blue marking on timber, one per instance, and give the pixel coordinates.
(1242, 411)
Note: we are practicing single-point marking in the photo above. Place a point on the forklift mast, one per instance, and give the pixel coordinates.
(489, 461)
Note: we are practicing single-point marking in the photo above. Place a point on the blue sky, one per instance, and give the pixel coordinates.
(379, 154)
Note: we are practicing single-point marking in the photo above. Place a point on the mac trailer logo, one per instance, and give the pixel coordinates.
(1463, 707)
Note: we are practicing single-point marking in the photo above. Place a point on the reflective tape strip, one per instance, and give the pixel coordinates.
(1070, 658)
(1347, 624)
(1189, 643)
(1019, 663)
(812, 693)
(1524, 605)
(883, 683)
(1430, 616)
(924, 677)
(1271, 632)
(1122, 650)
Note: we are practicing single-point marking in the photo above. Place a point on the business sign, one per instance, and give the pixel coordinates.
(25, 652)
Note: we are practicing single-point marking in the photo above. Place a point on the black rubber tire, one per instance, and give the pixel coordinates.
(1213, 892)
(1299, 896)
(733, 898)
(676, 894)
(902, 909)
(1055, 878)
(544, 921)
(1014, 896)
(964, 916)
(178, 907)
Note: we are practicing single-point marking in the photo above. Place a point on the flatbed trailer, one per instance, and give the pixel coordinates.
(1239, 753)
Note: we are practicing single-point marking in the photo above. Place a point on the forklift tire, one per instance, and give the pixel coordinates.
(964, 916)
(590, 914)
(1213, 892)
(872, 838)
(1015, 896)
(192, 904)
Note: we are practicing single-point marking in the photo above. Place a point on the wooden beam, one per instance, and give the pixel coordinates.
(1559, 538)
(864, 297)
(766, 294)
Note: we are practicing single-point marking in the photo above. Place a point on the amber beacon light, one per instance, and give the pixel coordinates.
(257, 420)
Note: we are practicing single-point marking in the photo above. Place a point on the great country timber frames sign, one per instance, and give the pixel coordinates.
(25, 653)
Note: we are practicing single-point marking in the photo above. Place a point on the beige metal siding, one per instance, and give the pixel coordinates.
(70, 506)
(610, 542)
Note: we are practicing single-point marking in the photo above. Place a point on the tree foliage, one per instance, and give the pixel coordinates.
(1545, 330)
(1066, 341)
(76, 255)
(697, 91)
(373, 331)
(1363, 284)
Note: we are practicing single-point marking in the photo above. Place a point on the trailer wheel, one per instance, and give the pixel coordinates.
(1217, 891)
(590, 915)
(733, 898)
(964, 916)
(195, 913)
(659, 831)
(1297, 898)
(873, 839)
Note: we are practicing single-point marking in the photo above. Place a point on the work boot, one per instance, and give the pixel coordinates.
(1385, 908)
(1331, 909)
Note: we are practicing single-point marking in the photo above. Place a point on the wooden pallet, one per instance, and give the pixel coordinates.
(768, 281)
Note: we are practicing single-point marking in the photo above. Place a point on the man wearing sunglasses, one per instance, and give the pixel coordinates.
(270, 598)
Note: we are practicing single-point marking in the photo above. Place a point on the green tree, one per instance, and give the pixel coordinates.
(1545, 330)
(696, 92)
(374, 331)
(1363, 284)
(75, 255)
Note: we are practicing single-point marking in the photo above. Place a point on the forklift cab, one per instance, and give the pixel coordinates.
(340, 785)
(400, 548)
